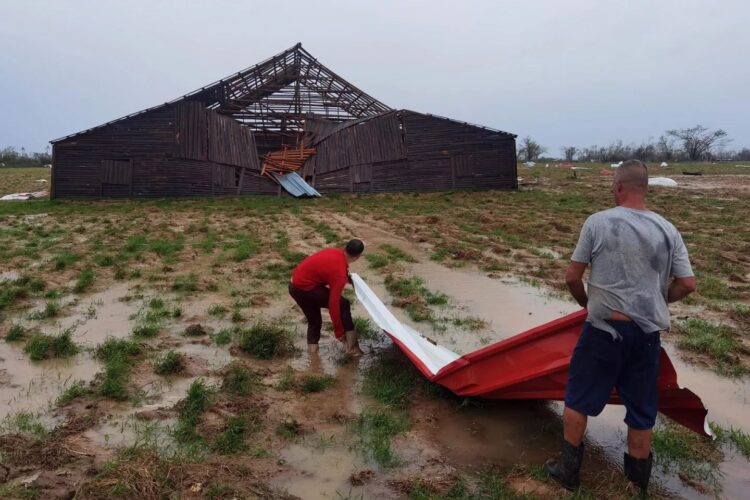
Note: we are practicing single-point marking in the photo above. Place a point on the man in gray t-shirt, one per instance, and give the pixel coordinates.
(639, 264)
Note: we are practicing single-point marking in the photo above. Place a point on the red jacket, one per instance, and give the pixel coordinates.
(330, 268)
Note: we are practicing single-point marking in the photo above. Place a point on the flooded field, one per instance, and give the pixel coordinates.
(150, 348)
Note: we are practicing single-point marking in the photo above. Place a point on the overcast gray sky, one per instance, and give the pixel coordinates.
(576, 72)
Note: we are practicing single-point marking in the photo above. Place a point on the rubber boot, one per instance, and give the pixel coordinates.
(638, 471)
(565, 470)
(352, 345)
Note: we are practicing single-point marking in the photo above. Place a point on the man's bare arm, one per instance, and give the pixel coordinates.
(680, 288)
(574, 280)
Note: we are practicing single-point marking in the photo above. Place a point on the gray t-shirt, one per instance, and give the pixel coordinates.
(633, 254)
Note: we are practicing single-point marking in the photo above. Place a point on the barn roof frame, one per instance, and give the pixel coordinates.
(276, 95)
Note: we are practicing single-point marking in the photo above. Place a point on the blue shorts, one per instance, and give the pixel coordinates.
(630, 365)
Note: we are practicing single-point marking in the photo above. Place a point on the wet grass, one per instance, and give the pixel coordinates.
(51, 309)
(265, 341)
(224, 337)
(389, 381)
(15, 333)
(64, 259)
(117, 355)
(240, 380)
(736, 439)
(217, 310)
(185, 284)
(366, 329)
(75, 390)
(315, 383)
(692, 457)
(84, 281)
(411, 294)
(169, 363)
(719, 342)
(41, 346)
(12, 291)
(190, 410)
(375, 427)
(25, 423)
(232, 438)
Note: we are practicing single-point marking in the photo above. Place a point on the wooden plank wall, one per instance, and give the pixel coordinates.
(376, 140)
(426, 153)
(177, 150)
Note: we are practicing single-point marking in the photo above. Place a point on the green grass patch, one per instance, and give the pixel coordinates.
(104, 260)
(51, 310)
(190, 410)
(411, 294)
(717, 341)
(713, 287)
(374, 428)
(734, 438)
(15, 333)
(244, 246)
(376, 260)
(166, 248)
(41, 346)
(266, 340)
(240, 380)
(366, 329)
(232, 438)
(25, 423)
(185, 284)
(169, 363)
(84, 281)
(315, 383)
(75, 390)
(224, 337)
(64, 259)
(217, 310)
(117, 355)
(289, 429)
(389, 382)
(287, 381)
(678, 450)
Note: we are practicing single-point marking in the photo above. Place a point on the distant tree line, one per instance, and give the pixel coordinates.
(12, 157)
(697, 143)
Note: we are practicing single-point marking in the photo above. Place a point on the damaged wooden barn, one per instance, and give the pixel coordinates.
(274, 124)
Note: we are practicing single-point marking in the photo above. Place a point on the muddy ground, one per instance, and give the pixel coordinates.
(489, 265)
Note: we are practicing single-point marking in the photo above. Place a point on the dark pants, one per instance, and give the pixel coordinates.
(311, 302)
(629, 364)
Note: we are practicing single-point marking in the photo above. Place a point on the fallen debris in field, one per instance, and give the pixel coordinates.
(25, 196)
(662, 181)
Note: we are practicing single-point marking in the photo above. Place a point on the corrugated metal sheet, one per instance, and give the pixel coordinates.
(295, 185)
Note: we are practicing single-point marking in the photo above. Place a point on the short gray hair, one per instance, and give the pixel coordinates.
(633, 173)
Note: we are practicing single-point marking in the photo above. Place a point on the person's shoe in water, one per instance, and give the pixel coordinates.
(638, 471)
(352, 345)
(565, 470)
(313, 348)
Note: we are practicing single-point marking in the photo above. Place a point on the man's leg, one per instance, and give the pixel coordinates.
(308, 301)
(637, 386)
(574, 426)
(593, 371)
(352, 345)
(639, 442)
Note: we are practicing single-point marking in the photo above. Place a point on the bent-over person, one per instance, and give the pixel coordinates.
(639, 264)
(317, 283)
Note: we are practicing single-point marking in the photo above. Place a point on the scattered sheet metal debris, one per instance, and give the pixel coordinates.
(294, 184)
(531, 365)
(662, 181)
(25, 196)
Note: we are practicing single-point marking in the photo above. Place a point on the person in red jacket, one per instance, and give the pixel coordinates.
(317, 282)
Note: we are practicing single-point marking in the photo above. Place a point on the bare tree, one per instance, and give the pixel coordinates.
(666, 149)
(569, 152)
(699, 142)
(530, 149)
